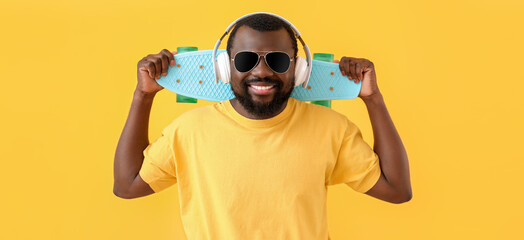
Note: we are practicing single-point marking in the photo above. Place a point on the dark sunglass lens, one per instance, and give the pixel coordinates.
(245, 61)
(278, 61)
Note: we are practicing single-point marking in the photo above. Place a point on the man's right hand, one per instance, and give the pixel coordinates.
(134, 138)
(150, 68)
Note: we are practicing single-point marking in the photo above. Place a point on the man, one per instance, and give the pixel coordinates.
(258, 166)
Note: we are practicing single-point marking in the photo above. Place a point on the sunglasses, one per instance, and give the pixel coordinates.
(246, 61)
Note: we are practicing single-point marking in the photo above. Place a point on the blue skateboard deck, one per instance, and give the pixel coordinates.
(193, 76)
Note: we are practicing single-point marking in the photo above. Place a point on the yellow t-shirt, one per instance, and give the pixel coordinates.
(240, 178)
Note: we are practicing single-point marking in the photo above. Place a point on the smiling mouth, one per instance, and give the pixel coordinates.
(261, 87)
(262, 90)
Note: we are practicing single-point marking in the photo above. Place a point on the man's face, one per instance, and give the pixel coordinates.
(249, 87)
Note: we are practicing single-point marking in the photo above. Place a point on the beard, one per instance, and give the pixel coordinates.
(263, 110)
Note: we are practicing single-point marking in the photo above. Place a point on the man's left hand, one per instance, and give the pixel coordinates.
(360, 69)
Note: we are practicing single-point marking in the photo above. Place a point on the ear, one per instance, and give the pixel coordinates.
(223, 68)
(300, 70)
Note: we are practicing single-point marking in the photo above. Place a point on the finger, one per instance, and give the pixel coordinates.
(170, 57)
(341, 67)
(158, 66)
(144, 66)
(346, 69)
(150, 66)
(352, 70)
(355, 71)
(358, 71)
(165, 63)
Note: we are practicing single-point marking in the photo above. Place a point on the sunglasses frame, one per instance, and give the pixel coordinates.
(265, 60)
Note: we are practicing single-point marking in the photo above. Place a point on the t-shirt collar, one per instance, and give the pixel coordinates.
(259, 122)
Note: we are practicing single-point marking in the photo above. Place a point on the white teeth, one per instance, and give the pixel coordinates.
(261, 87)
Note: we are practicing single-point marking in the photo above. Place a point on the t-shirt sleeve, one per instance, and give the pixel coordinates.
(357, 164)
(158, 169)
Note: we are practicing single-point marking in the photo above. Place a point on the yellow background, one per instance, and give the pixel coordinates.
(450, 72)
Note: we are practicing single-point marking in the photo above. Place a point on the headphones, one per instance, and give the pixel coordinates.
(222, 68)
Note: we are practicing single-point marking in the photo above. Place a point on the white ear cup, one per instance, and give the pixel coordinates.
(300, 71)
(224, 71)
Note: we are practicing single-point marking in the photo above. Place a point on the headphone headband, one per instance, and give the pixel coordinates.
(297, 34)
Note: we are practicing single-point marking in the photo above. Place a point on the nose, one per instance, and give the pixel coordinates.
(262, 70)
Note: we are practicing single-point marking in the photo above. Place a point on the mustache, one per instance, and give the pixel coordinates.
(277, 83)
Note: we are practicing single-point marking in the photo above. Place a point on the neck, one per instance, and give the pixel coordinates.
(242, 111)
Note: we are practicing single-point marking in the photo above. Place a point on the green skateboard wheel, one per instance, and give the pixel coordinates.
(180, 98)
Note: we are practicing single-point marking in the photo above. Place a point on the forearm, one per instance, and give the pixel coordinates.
(133, 140)
(388, 145)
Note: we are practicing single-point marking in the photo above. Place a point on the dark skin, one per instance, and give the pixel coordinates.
(134, 139)
(394, 183)
(249, 39)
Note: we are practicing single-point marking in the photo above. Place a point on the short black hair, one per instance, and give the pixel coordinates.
(262, 23)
